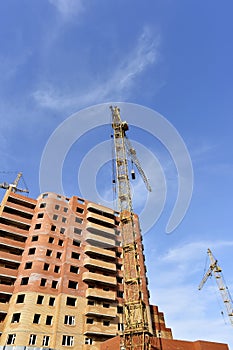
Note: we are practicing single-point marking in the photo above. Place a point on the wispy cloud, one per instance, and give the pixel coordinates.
(68, 8)
(116, 86)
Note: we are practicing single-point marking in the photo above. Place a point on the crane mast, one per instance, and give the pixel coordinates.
(137, 315)
(225, 294)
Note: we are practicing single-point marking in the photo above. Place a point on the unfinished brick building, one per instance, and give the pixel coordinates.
(61, 277)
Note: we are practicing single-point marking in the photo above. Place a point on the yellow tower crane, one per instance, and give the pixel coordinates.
(215, 269)
(138, 326)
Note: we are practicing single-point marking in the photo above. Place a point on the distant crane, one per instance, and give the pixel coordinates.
(225, 293)
(11, 188)
(138, 326)
(14, 186)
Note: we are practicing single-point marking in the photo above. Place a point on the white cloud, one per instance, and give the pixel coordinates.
(116, 86)
(68, 8)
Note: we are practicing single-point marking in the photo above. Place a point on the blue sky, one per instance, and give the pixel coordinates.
(60, 56)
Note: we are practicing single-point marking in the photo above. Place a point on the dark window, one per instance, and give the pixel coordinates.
(46, 266)
(54, 284)
(71, 301)
(56, 269)
(11, 339)
(90, 321)
(34, 238)
(51, 239)
(46, 339)
(40, 299)
(20, 298)
(78, 220)
(42, 205)
(28, 265)
(118, 254)
(15, 318)
(31, 251)
(40, 215)
(106, 305)
(77, 231)
(36, 318)
(51, 301)
(37, 226)
(119, 279)
(45, 195)
(60, 242)
(74, 269)
(62, 230)
(120, 294)
(69, 320)
(88, 341)
(55, 217)
(53, 228)
(79, 210)
(58, 256)
(65, 210)
(63, 219)
(75, 255)
(67, 340)
(49, 320)
(48, 252)
(24, 281)
(43, 282)
(76, 243)
(90, 302)
(120, 309)
(118, 266)
(73, 285)
(57, 207)
(106, 323)
(32, 339)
